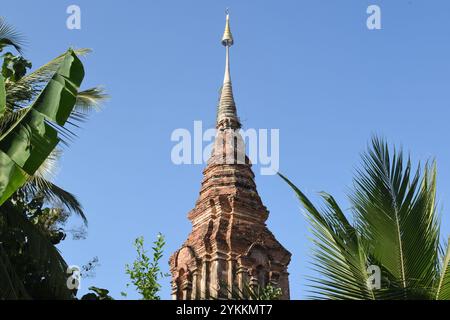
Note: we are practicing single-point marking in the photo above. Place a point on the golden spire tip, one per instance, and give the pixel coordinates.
(227, 39)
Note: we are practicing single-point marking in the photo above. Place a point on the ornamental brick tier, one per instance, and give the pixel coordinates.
(230, 249)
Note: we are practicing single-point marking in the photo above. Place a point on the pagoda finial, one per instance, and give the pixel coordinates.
(227, 39)
(227, 115)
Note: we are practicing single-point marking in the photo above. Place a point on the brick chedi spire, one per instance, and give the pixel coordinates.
(230, 247)
(226, 111)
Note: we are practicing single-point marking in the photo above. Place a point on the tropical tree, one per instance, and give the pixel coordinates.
(35, 109)
(394, 230)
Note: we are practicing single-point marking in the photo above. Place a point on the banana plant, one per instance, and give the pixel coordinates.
(33, 136)
(37, 110)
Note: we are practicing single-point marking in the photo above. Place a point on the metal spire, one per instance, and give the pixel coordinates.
(227, 115)
(227, 39)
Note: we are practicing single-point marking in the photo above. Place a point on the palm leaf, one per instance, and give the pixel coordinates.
(10, 37)
(395, 215)
(338, 254)
(55, 195)
(40, 185)
(87, 101)
(48, 169)
(90, 99)
(443, 287)
(42, 260)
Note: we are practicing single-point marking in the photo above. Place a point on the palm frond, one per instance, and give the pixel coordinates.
(55, 195)
(395, 215)
(339, 257)
(90, 100)
(48, 169)
(443, 285)
(9, 36)
(37, 258)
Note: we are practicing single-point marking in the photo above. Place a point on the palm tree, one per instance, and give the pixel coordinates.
(394, 227)
(35, 109)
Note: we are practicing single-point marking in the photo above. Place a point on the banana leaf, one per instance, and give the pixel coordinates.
(2, 96)
(25, 146)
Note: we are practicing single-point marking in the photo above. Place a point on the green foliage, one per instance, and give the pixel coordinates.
(9, 37)
(33, 266)
(2, 96)
(97, 294)
(29, 259)
(49, 220)
(30, 140)
(145, 272)
(395, 226)
(29, 231)
(443, 284)
(14, 67)
(34, 109)
(249, 292)
(270, 293)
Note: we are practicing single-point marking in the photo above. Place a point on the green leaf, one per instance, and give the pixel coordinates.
(14, 67)
(338, 254)
(30, 140)
(12, 177)
(395, 227)
(395, 210)
(145, 273)
(43, 259)
(443, 288)
(2, 96)
(9, 37)
(57, 100)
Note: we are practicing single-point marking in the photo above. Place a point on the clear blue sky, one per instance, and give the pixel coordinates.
(310, 68)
